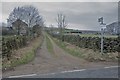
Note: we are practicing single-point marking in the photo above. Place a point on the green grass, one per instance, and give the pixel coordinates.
(93, 35)
(49, 45)
(74, 52)
(25, 59)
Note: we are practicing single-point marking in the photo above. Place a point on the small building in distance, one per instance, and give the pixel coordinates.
(112, 28)
(20, 27)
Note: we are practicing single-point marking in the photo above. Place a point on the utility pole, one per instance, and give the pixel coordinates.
(102, 25)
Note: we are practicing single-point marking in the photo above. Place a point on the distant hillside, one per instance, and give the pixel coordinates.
(55, 29)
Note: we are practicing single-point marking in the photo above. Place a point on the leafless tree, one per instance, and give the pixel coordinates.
(62, 24)
(28, 14)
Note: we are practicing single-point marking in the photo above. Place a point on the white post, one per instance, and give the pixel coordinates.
(101, 40)
(102, 25)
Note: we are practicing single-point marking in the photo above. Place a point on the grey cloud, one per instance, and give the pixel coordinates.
(79, 14)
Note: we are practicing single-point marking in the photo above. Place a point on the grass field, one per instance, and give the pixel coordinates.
(94, 35)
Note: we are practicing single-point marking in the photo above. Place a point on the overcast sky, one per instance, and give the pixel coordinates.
(79, 15)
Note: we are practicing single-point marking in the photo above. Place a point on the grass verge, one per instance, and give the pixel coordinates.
(23, 55)
(49, 45)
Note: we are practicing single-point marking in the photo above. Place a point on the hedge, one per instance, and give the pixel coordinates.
(12, 43)
(110, 44)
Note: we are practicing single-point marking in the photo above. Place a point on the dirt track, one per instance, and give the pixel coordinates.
(46, 62)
